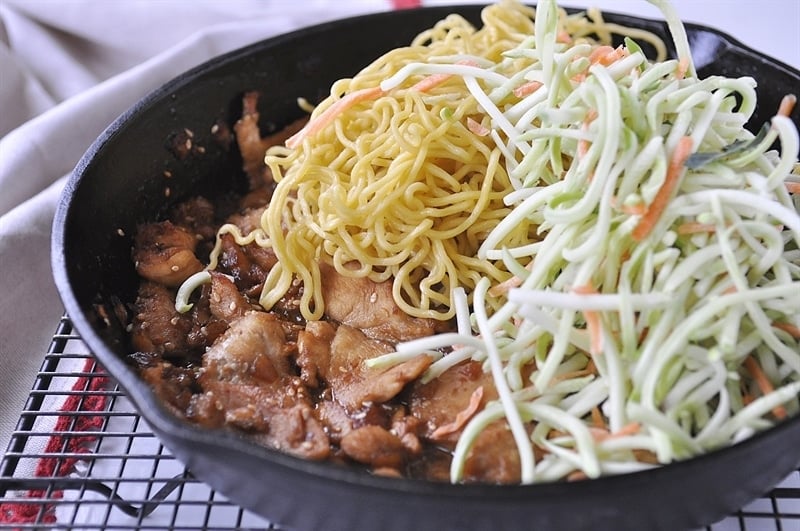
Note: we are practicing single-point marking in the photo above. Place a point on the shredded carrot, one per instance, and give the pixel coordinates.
(634, 210)
(509, 283)
(643, 334)
(600, 52)
(563, 36)
(683, 67)
(602, 55)
(694, 228)
(789, 328)
(329, 115)
(592, 319)
(674, 172)
(527, 88)
(477, 127)
(763, 383)
(601, 434)
(637, 209)
(462, 417)
(628, 429)
(434, 80)
(597, 419)
(578, 475)
(793, 187)
(787, 105)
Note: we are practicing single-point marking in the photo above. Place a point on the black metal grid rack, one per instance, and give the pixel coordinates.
(82, 458)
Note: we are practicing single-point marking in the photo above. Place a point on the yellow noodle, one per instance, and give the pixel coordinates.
(399, 188)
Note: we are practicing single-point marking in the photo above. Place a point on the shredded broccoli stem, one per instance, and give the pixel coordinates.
(676, 312)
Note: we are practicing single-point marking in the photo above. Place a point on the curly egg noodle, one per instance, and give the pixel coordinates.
(406, 185)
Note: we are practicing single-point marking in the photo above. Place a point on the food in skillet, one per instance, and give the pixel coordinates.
(511, 254)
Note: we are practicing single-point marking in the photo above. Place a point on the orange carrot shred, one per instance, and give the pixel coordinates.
(683, 67)
(563, 36)
(793, 187)
(527, 88)
(477, 127)
(329, 115)
(434, 80)
(592, 319)
(597, 419)
(763, 383)
(674, 173)
(694, 228)
(600, 52)
(462, 417)
(637, 209)
(578, 475)
(601, 434)
(789, 328)
(787, 105)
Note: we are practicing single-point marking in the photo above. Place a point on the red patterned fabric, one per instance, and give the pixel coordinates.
(406, 4)
(74, 441)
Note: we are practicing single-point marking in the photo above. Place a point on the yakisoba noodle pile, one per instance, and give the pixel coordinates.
(407, 183)
(617, 249)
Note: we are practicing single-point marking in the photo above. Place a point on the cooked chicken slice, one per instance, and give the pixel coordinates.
(374, 446)
(335, 418)
(271, 415)
(246, 375)
(353, 383)
(494, 457)
(439, 402)
(251, 351)
(156, 326)
(164, 253)
(226, 302)
(173, 385)
(314, 351)
(370, 307)
(252, 146)
(197, 216)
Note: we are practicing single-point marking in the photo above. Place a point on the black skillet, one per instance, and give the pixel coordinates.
(137, 168)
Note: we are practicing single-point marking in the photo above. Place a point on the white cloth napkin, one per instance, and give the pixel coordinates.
(68, 69)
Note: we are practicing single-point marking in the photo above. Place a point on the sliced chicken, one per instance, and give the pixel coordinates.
(246, 375)
(165, 253)
(251, 351)
(353, 384)
(439, 402)
(156, 326)
(370, 307)
(314, 351)
(226, 302)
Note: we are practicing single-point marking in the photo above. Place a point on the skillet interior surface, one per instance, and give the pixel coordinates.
(133, 172)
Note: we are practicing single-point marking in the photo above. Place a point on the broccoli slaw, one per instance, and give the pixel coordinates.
(657, 316)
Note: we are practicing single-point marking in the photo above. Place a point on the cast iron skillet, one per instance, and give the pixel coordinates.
(132, 172)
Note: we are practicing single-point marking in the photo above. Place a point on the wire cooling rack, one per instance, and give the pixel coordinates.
(82, 458)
